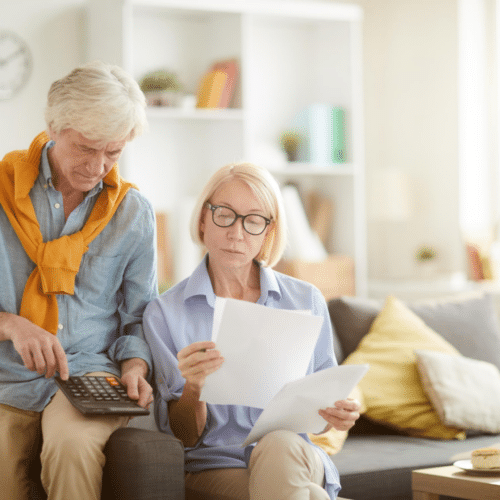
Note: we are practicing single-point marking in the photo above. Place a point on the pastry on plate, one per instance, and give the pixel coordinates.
(486, 458)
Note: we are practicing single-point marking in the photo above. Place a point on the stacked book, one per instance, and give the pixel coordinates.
(217, 86)
(322, 131)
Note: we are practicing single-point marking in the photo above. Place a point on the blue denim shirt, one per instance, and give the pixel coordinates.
(183, 315)
(101, 324)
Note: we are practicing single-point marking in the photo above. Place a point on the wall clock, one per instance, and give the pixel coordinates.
(15, 64)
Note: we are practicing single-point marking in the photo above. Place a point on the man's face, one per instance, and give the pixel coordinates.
(79, 164)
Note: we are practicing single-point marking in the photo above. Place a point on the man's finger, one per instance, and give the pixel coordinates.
(61, 361)
(27, 358)
(145, 393)
(39, 361)
(50, 362)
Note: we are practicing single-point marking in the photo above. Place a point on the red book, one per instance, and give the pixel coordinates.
(476, 272)
(230, 68)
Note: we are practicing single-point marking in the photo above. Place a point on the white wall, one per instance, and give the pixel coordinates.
(55, 32)
(411, 103)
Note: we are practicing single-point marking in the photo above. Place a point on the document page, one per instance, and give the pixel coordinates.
(264, 348)
(295, 407)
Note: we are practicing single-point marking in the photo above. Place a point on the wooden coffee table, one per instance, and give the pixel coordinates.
(428, 484)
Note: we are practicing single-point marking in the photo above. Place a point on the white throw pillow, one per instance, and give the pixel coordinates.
(465, 392)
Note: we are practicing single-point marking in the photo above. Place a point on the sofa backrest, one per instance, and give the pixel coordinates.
(469, 322)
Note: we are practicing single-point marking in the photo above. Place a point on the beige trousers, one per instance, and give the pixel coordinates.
(72, 450)
(283, 466)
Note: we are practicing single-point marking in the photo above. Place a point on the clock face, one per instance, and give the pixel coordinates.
(15, 64)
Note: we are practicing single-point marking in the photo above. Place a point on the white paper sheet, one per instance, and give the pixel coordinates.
(295, 407)
(264, 348)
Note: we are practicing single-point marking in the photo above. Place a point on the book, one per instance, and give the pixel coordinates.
(230, 68)
(164, 250)
(218, 85)
(319, 210)
(322, 128)
(475, 265)
(211, 89)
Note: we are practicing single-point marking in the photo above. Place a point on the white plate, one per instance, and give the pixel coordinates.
(467, 466)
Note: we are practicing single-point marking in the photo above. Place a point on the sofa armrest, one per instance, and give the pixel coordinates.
(143, 465)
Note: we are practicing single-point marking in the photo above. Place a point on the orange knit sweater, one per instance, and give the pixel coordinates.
(58, 261)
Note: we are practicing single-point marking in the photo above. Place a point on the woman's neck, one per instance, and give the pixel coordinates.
(239, 284)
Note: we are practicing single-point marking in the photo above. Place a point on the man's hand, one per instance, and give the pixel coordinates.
(134, 372)
(39, 349)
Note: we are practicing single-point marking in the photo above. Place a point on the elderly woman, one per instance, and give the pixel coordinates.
(239, 219)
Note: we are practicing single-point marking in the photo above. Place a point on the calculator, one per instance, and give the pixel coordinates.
(99, 395)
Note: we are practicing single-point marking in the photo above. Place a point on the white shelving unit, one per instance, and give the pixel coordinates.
(291, 54)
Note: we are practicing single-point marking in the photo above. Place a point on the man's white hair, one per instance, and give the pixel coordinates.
(101, 101)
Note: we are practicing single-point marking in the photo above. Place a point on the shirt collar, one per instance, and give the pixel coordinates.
(47, 173)
(44, 164)
(199, 284)
(268, 285)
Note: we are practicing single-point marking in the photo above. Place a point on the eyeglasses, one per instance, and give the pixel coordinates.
(252, 223)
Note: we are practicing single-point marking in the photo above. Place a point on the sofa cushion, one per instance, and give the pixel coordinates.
(380, 467)
(465, 392)
(468, 322)
(351, 319)
(392, 390)
(143, 465)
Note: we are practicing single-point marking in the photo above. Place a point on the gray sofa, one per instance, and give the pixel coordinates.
(376, 461)
(141, 464)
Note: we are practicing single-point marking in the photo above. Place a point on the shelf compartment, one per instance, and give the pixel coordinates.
(306, 169)
(167, 113)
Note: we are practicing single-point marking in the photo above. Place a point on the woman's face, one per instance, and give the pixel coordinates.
(232, 246)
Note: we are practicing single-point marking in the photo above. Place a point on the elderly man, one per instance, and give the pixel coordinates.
(78, 266)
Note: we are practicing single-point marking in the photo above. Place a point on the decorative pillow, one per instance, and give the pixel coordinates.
(465, 392)
(468, 321)
(391, 389)
(333, 440)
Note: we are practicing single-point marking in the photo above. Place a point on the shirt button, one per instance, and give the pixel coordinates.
(60, 326)
(45, 186)
(57, 205)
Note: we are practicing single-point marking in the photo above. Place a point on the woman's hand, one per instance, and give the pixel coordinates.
(197, 361)
(188, 415)
(342, 416)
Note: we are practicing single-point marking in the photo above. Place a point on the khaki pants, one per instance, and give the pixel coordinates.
(282, 466)
(72, 450)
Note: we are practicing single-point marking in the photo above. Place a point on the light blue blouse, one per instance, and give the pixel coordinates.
(183, 315)
(101, 324)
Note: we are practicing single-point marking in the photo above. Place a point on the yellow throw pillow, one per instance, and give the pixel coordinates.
(333, 440)
(392, 389)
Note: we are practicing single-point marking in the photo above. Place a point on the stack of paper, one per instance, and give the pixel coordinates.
(264, 348)
(267, 352)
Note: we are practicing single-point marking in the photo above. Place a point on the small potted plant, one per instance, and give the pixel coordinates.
(290, 142)
(426, 256)
(161, 88)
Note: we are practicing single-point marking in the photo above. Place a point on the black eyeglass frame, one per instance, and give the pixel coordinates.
(237, 216)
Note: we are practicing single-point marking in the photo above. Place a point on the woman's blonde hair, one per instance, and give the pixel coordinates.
(267, 190)
(99, 100)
